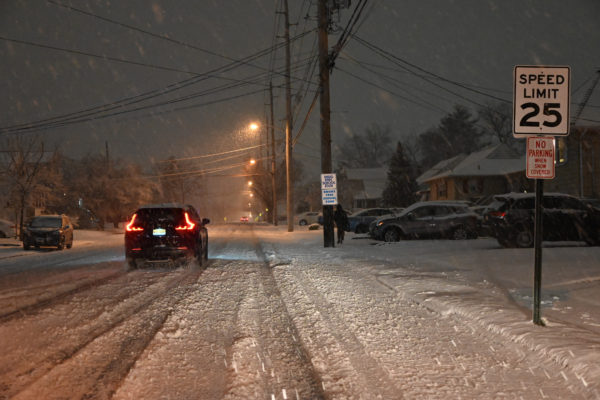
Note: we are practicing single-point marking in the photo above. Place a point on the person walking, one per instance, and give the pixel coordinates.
(341, 221)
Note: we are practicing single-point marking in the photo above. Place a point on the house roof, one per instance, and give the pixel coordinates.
(373, 180)
(492, 161)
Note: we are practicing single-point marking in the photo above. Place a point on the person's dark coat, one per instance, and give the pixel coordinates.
(340, 217)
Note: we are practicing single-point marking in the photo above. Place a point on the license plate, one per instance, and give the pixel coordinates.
(159, 232)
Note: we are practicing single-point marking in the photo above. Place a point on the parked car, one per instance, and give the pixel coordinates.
(244, 219)
(7, 229)
(428, 219)
(48, 230)
(564, 218)
(359, 221)
(307, 218)
(482, 226)
(163, 232)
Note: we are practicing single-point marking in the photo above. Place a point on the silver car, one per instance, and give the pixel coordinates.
(428, 219)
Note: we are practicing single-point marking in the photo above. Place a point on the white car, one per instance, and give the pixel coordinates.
(307, 218)
(7, 229)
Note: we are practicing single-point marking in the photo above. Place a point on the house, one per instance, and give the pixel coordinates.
(476, 176)
(363, 187)
(577, 170)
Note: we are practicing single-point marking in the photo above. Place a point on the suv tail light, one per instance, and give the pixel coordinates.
(130, 227)
(188, 226)
(498, 214)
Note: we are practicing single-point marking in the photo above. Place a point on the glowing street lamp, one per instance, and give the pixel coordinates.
(252, 161)
(253, 126)
(249, 183)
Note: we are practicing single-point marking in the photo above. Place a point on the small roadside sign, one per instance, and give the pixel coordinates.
(540, 157)
(329, 189)
(541, 100)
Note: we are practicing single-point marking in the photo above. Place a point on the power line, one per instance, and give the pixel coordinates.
(155, 35)
(428, 106)
(213, 154)
(79, 116)
(396, 83)
(148, 95)
(402, 64)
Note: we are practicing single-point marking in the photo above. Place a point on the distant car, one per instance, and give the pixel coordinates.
(48, 230)
(307, 218)
(359, 221)
(565, 218)
(437, 219)
(7, 229)
(244, 219)
(166, 232)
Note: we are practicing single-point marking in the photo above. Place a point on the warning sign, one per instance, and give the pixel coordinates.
(540, 158)
(541, 101)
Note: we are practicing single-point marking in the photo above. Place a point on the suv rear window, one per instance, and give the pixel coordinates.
(164, 215)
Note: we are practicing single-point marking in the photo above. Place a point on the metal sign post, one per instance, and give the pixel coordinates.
(541, 107)
(537, 270)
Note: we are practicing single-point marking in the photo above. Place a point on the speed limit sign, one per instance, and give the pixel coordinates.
(541, 101)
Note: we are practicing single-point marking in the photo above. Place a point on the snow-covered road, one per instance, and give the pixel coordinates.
(274, 315)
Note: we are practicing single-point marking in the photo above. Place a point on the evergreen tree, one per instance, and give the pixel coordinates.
(400, 189)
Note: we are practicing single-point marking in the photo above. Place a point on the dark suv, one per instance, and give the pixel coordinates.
(450, 219)
(48, 230)
(166, 232)
(511, 216)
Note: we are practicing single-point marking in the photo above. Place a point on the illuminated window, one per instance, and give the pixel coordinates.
(561, 151)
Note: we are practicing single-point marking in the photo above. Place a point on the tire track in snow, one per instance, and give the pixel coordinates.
(96, 370)
(67, 329)
(48, 300)
(346, 367)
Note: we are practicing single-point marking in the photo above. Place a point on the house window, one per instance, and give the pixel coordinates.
(475, 186)
(442, 190)
(561, 151)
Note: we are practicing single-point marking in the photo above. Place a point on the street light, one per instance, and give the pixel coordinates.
(253, 126)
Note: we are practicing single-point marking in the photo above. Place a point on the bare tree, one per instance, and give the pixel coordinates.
(110, 191)
(372, 149)
(496, 120)
(23, 162)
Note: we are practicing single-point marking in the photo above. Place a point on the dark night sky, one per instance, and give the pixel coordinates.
(473, 42)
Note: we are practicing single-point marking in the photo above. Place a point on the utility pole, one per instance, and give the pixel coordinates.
(328, 233)
(273, 162)
(288, 124)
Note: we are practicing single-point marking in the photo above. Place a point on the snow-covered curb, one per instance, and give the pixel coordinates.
(566, 345)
